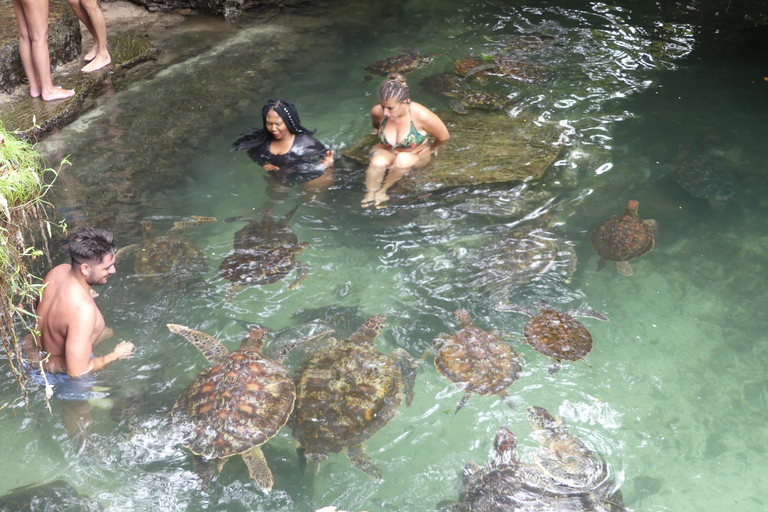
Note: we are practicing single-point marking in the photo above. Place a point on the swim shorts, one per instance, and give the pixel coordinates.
(66, 387)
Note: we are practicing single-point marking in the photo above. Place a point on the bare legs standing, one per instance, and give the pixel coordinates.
(32, 17)
(89, 12)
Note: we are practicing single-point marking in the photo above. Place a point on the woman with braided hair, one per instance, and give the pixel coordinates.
(403, 128)
(286, 149)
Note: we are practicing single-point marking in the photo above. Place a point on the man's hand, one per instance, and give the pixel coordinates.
(124, 350)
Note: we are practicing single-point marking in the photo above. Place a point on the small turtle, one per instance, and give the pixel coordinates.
(159, 258)
(508, 484)
(527, 251)
(347, 391)
(454, 86)
(235, 405)
(477, 361)
(556, 335)
(402, 63)
(621, 238)
(480, 68)
(707, 176)
(264, 252)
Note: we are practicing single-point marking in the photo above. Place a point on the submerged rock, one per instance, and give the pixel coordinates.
(485, 147)
(57, 495)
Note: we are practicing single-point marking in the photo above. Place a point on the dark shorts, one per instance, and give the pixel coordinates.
(66, 387)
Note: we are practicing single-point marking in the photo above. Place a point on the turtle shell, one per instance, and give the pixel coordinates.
(522, 71)
(558, 335)
(402, 63)
(477, 98)
(234, 405)
(469, 62)
(623, 237)
(171, 255)
(448, 84)
(354, 389)
(477, 361)
(707, 176)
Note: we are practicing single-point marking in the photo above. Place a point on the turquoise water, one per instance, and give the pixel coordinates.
(675, 397)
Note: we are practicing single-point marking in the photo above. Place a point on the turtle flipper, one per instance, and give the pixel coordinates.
(211, 348)
(204, 470)
(258, 469)
(302, 272)
(362, 461)
(180, 225)
(587, 313)
(601, 264)
(408, 367)
(480, 68)
(508, 401)
(517, 308)
(624, 268)
(458, 106)
(126, 252)
(463, 401)
(554, 367)
(301, 453)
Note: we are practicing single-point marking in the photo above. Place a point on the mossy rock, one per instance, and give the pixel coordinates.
(31, 118)
(485, 147)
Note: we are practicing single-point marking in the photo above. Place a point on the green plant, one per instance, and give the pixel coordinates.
(24, 233)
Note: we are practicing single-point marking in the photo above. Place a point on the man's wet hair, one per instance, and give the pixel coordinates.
(90, 244)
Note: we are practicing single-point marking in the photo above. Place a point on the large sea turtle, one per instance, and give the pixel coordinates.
(454, 86)
(519, 255)
(621, 238)
(556, 335)
(508, 484)
(402, 63)
(347, 391)
(707, 175)
(264, 252)
(235, 405)
(172, 256)
(477, 361)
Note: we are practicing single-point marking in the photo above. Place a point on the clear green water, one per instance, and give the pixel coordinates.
(676, 396)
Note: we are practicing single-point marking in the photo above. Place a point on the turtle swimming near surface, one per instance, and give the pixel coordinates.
(624, 237)
(402, 63)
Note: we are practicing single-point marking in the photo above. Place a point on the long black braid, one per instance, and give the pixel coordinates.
(255, 137)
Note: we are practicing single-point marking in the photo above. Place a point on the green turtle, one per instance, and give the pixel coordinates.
(264, 252)
(624, 237)
(477, 361)
(508, 484)
(402, 63)
(522, 43)
(346, 392)
(557, 335)
(513, 69)
(235, 405)
(707, 176)
(172, 256)
(519, 255)
(451, 85)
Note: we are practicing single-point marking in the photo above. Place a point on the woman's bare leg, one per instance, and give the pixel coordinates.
(97, 26)
(403, 164)
(381, 158)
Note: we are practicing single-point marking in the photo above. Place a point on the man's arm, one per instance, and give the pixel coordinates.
(78, 347)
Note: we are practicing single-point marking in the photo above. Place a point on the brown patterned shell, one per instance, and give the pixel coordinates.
(469, 62)
(346, 392)
(623, 237)
(169, 256)
(477, 361)
(522, 71)
(238, 403)
(558, 335)
(264, 252)
(402, 63)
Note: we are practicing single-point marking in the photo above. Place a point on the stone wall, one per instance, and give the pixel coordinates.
(64, 41)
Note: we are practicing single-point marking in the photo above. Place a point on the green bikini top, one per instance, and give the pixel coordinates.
(412, 139)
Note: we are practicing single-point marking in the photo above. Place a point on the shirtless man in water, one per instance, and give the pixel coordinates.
(69, 322)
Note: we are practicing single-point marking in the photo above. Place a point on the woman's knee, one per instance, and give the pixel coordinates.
(404, 161)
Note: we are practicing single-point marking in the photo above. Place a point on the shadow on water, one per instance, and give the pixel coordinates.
(674, 396)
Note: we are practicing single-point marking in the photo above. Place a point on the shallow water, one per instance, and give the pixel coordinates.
(675, 395)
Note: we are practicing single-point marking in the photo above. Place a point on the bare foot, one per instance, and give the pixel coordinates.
(96, 64)
(90, 55)
(368, 199)
(381, 198)
(35, 93)
(58, 94)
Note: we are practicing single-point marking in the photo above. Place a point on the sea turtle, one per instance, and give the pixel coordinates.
(451, 85)
(347, 391)
(477, 361)
(264, 252)
(522, 43)
(173, 256)
(513, 69)
(519, 255)
(554, 334)
(708, 176)
(402, 63)
(508, 484)
(621, 238)
(235, 405)
(480, 68)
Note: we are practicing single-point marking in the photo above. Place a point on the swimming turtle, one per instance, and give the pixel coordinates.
(402, 63)
(264, 252)
(556, 335)
(479, 67)
(522, 43)
(708, 176)
(347, 391)
(451, 85)
(513, 69)
(519, 255)
(159, 258)
(508, 484)
(235, 405)
(621, 238)
(477, 361)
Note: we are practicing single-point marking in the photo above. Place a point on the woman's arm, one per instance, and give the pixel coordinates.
(377, 116)
(426, 120)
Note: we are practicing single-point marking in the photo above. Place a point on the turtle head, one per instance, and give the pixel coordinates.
(506, 446)
(254, 340)
(539, 418)
(632, 206)
(147, 226)
(462, 316)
